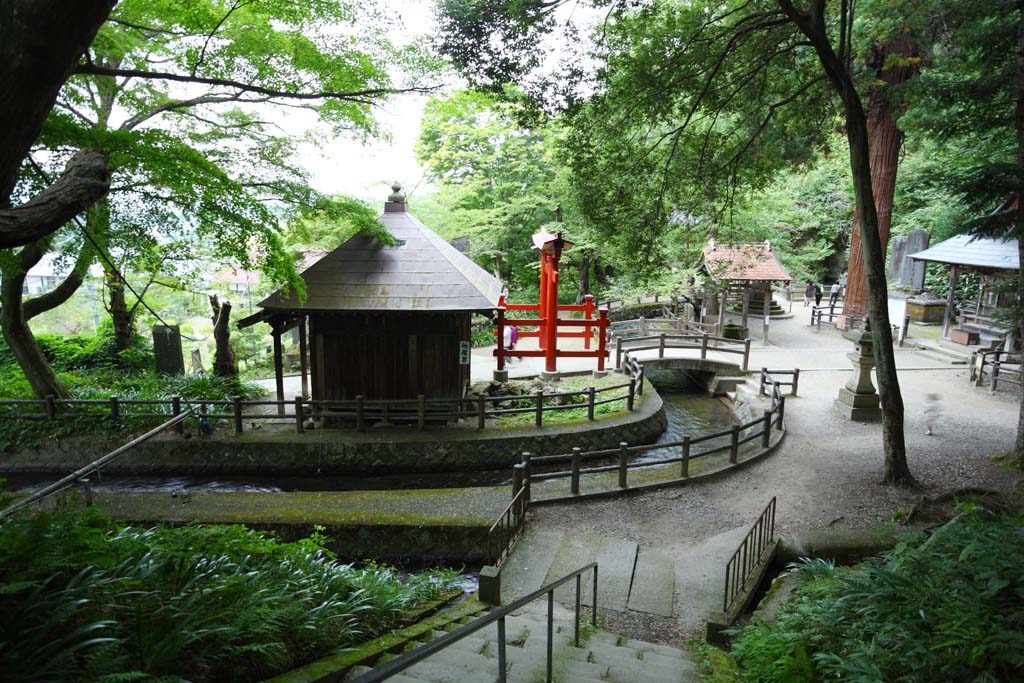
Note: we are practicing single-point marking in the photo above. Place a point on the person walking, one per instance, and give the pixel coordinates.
(932, 411)
(808, 293)
(833, 294)
(817, 295)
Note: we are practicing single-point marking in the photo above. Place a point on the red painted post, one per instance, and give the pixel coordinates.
(588, 314)
(543, 310)
(602, 340)
(551, 348)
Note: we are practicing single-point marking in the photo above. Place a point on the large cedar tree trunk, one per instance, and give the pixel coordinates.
(224, 358)
(884, 143)
(1018, 448)
(812, 24)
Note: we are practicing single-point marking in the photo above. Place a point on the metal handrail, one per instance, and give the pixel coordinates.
(70, 479)
(403, 662)
(748, 555)
(510, 526)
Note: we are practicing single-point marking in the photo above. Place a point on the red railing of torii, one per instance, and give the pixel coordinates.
(550, 248)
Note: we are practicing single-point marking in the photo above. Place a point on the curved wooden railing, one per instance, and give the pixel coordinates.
(703, 342)
(359, 412)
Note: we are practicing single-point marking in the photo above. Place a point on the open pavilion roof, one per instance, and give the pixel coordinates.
(753, 261)
(980, 253)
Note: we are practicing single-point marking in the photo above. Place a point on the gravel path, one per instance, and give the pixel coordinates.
(828, 471)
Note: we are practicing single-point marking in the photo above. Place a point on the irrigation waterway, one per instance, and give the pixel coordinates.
(687, 411)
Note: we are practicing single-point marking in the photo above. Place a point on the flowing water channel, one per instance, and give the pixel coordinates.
(688, 410)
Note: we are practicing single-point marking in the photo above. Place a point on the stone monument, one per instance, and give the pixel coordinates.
(901, 268)
(858, 400)
(167, 349)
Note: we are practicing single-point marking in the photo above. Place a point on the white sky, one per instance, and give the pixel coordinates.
(345, 166)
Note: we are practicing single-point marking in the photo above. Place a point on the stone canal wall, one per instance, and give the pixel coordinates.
(346, 452)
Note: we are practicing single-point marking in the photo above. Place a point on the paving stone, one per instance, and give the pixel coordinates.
(524, 571)
(653, 588)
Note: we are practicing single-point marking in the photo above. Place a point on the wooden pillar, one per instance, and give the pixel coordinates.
(948, 317)
(278, 371)
(303, 360)
(550, 358)
(543, 311)
(705, 302)
(767, 310)
(746, 303)
(721, 311)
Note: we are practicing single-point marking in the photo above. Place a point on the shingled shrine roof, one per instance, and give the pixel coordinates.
(983, 253)
(422, 272)
(744, 261)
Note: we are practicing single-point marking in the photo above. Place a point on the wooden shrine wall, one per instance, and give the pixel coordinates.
(389, 355)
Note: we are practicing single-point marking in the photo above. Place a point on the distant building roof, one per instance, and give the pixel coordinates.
(983, 253)
(744, 261)
(420, 273)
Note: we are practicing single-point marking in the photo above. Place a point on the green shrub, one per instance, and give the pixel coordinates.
(945, 607)
(85, 598)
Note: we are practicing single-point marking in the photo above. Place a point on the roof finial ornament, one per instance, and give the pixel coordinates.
(396, 195)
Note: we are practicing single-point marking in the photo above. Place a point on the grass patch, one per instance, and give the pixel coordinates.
(556, 411)
(85, 598)
(944, 607)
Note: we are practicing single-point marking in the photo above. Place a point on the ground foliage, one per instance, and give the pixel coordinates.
(948, 606)
(86, 598)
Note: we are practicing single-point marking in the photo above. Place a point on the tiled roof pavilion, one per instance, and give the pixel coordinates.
(422, 272)
(751, 261)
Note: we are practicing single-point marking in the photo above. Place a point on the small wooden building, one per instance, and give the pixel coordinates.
(386, 322)
(743, 273)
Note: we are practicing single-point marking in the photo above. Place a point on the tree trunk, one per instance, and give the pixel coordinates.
(584, 284)
(120, 314)
(812, 25)
(30, 358)
(884, 143)
(1018, 448)
(223, 359)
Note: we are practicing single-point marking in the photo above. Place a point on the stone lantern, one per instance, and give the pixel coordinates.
(858, 400)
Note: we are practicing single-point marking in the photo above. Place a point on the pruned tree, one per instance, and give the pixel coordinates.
(224, 358)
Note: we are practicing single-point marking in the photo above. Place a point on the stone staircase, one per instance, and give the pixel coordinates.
(601, 657)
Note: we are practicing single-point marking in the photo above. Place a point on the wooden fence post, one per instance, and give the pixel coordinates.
(421, 412)
(590, 403)
(643, 327)
(995, 373)
(577, 458)
(539, 417)
(764, 374)
(360, 423)
(481, 407)
(766, 437)
(684, 470)
(746, 353)
(796, 380)
(703, 345)
(300, 425)
(632, 391)
(517, 483)
(623, 464)
(236, 404)
(640, 380)
(734, 445)
(176, 411)
(115, 409)
(782, 411)
(526, 476)
(618, 353)
(50, 406)
(661, 345)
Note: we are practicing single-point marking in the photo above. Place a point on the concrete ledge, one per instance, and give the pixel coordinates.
(347, 452)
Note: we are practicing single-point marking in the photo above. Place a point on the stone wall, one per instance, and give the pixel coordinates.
(337, 452)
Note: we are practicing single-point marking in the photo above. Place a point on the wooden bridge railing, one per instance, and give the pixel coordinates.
(768, 379)
(663, 341)
(642, 327)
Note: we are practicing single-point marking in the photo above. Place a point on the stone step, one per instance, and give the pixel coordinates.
(615, 557)
(653, 587)
(525, 570)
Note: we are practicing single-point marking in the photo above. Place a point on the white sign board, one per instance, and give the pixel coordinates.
(898, 313)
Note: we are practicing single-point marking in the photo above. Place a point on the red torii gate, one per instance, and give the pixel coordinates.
(547, 321)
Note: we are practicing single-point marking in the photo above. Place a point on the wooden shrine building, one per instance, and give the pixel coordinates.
(386, 322)
(743, 274)
(994, 261)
